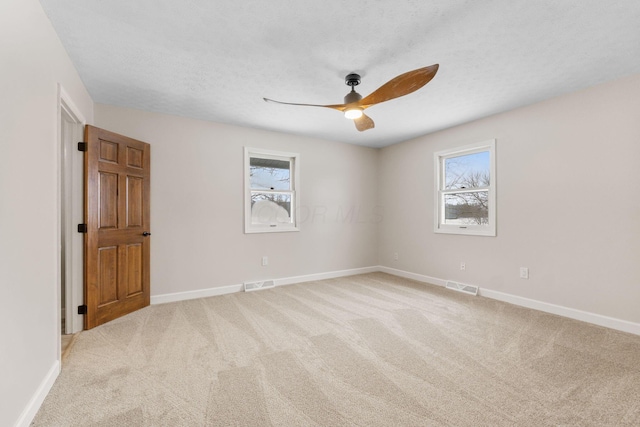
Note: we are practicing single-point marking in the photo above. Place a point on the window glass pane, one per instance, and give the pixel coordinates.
(468, 171)
(466, 208)
(269, 174)
(270, 208)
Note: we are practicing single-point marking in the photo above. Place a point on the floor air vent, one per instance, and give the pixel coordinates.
(256, 286)
(461, 287)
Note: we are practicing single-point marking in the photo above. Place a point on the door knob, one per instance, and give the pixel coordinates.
(146, 233)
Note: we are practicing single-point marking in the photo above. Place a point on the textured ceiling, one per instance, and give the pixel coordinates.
(216, 60)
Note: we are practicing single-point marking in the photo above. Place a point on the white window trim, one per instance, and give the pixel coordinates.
(295, 186)
(474, 230)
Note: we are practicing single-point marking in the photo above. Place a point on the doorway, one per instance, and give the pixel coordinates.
(70, 192)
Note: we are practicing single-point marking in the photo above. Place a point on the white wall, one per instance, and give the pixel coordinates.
(197, 203)
(32, 62)
(568, 206)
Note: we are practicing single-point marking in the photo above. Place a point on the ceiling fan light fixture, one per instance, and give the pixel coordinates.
(353, 113)
(353, 110)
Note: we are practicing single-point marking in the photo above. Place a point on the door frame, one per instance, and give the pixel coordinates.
(70, 201)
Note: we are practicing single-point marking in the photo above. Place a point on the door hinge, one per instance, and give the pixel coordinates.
(82, 146)
(82, 228)
(82, 309)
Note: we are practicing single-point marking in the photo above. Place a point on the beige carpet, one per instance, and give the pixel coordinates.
(369, 350)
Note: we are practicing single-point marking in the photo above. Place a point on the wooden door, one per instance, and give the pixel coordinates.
(117, 187)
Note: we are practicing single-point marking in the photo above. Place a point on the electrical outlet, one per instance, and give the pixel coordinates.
(265, 260)
(463, 266)
(395, 256)
(524, 273)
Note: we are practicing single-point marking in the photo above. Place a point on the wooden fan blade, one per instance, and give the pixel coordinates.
(399, 86)
(364, 122)
(339, 107)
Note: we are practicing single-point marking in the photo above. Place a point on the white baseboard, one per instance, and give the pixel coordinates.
(230, 289)
(324, 276)
(413, 276)
(572, 313)
(200, 293)
(38, 397)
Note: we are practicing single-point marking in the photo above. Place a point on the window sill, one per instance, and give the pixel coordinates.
(470, 231)
(280, 229)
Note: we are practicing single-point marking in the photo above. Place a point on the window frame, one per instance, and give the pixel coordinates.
(441, 192)
(294, 159)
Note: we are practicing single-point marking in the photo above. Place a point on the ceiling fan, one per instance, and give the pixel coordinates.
(354, 104)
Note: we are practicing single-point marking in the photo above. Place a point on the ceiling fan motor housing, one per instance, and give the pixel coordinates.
(352, 97)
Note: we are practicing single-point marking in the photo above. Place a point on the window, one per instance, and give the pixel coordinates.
(466, 190)
(271, 199)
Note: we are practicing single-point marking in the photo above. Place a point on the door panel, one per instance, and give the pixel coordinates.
(117, 254)
(108, 151)
(108, 190)
(134, 158)
(135, 201)
(108, 271)
(134, 269)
